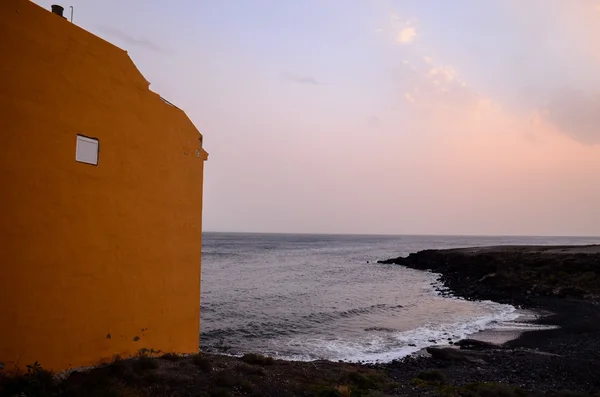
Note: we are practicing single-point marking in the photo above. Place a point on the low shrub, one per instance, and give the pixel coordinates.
(202, 362)
(257, 359)
(250, 369)
(144, 363)
(433, 376)
(226, 379)
(367, 380)
(171, 357)
(36, 382)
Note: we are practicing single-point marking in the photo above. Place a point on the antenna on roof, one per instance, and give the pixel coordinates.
(71, 13)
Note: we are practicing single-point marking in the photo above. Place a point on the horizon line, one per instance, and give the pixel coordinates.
(402, 234)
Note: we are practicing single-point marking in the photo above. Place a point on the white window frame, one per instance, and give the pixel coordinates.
(80, 157)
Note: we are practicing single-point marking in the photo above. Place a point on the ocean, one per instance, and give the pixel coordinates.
(307, 297)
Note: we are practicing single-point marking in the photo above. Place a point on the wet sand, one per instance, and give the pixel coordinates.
(510, 330)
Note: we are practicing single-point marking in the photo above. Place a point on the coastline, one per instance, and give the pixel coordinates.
(566, 356)
(539, 362)
(506, 331)
(497, 332)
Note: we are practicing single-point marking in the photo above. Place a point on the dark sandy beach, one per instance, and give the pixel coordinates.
(559, 280)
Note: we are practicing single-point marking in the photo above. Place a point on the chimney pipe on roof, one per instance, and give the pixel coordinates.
(58, 10)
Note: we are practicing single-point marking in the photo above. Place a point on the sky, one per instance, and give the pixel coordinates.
(379, 116)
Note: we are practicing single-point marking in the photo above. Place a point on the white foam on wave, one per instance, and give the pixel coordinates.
(385, 347)
(519, 326)
(381, 347)
(438, 288)
(526, 316)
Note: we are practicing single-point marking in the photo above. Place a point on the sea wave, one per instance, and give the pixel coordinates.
(292, 325)
(307, 297)
(378, 347)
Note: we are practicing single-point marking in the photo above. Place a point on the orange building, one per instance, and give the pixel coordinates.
(101, 199)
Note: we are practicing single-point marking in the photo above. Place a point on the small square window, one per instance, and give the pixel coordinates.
(87, 150)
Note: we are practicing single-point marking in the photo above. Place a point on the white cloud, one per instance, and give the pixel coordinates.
(407, 35)
(445, 73)
(409, 97)
(433, 86)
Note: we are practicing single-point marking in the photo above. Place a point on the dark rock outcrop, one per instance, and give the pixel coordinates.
(474, 344)
(451, 354)
(513, 274)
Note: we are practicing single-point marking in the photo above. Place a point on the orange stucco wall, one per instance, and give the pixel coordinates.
(94, 260)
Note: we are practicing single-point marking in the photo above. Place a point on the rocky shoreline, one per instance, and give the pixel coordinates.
(515, 275)
(559, 280)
